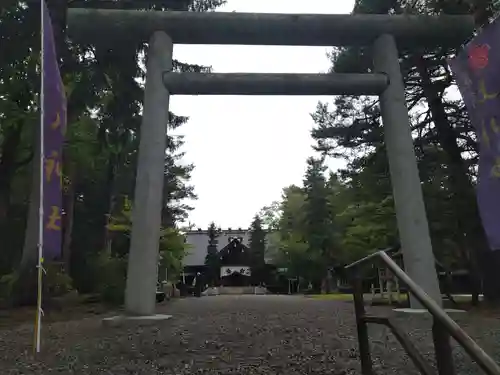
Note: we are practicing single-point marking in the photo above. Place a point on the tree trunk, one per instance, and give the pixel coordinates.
(110, 199)
(8, 166)
(30, 249)
(470, 260)
(4, 201)
(469, 221)
(24, 289)
(69, 208)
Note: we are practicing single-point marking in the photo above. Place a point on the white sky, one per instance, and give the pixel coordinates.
(246, 149)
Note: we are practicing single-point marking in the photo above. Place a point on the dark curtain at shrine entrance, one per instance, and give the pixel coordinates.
(235, 279)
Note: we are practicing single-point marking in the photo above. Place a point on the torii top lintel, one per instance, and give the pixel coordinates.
(91, 25)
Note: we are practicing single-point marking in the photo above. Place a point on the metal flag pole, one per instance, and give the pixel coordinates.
(39, 311)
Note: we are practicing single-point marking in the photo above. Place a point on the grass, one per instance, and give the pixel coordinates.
(69, 307)
(463, 302)
(331, 297)
(402, 297)
(349, 297)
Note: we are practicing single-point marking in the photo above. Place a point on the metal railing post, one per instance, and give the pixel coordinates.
(362, 326)
(443, 327)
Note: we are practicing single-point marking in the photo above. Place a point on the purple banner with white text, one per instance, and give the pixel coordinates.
(54, 126)
(477, 71)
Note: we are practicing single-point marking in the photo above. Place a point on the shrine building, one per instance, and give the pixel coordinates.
(232, 249)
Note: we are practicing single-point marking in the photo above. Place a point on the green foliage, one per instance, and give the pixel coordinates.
(352, 129)
(172, 247)
(122, 222)
(172, 251)
(367, 226)
(319, 227)
(111, 274)
(257, 247)
(329, 219)
(304, 238)
(270, 216)
(56, 283)
(105, 92)
(7, 283)
(292, 217)
(212, 261)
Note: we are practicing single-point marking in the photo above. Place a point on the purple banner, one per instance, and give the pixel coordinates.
(477, 72)
(54, 126)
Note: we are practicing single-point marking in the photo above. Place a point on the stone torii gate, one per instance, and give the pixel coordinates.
(163, 29)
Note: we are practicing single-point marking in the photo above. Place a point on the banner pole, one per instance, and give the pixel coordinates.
(39, 312)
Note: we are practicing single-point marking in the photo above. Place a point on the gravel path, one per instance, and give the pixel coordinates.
(230, 335)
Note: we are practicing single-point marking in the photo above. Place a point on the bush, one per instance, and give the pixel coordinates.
(7, 283)
(84, 272)
(20, 286)
(57, 282)
(111, 276)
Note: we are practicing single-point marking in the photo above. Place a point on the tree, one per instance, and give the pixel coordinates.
(319, 228)
(292, 220)
(18, 117)
(212, 261)
(362, 198)
(257, 247)
(443, 134)
(318, 213)
(171, 251)
(297, 260)
(269, 215)
(105, 93)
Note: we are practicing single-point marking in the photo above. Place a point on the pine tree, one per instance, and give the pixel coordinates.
(317, 208)
(212, 261)
(319, 230)
(257, 250)
(353, 125)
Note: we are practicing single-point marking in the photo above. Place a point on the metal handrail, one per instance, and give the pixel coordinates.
(470, 346)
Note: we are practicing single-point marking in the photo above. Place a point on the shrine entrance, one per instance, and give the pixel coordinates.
(235, 259)
(385, 34)
(235, 276)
